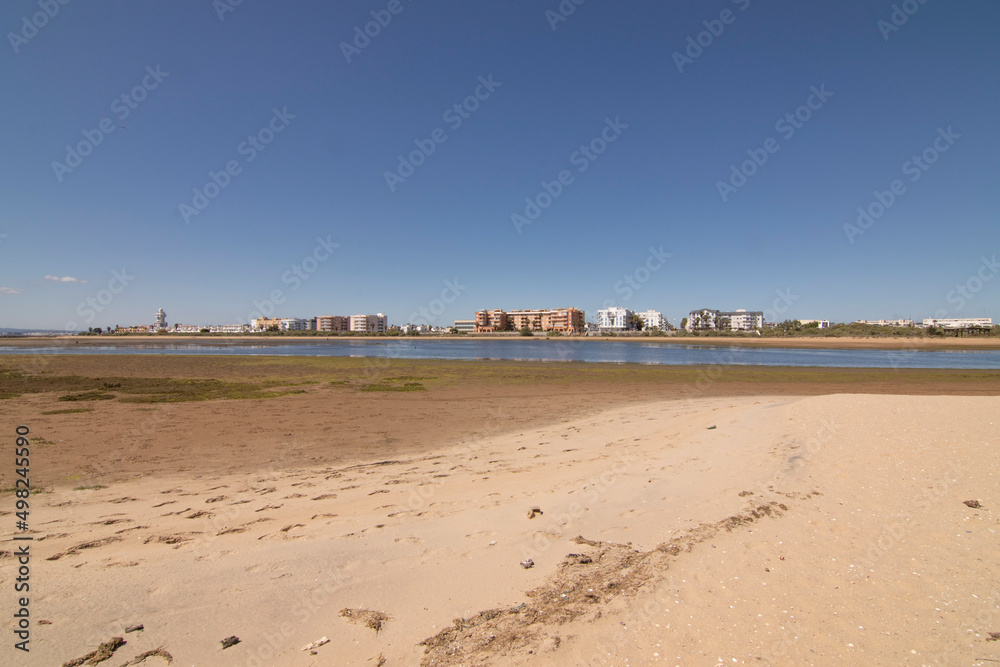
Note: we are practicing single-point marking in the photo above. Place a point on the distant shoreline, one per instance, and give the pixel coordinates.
(829, 343)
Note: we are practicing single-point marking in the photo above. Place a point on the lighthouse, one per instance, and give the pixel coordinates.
(161, 320)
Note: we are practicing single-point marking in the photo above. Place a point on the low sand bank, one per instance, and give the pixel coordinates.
(337, 419)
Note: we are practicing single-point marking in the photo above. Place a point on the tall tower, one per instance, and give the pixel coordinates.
(161, 320)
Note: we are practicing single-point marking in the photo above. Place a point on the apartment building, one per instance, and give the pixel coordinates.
(265, 323)
(614, 318)
(229, 328)
(960, 323)
(563, 320)
(519, 319)
(467, 326)
(378, 323)
(491, 321)
(335, 323)
(293, 324)
(886, 323)
(741, 319)
(744, 320)
(652, 319)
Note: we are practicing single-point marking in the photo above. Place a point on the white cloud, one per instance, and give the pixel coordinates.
(64, 279)
(9, 290)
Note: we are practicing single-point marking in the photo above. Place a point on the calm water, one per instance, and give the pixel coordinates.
(559, 350)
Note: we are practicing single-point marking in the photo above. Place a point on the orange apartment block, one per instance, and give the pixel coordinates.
(333, 323)
(490, 321)
(265, 323)
(563, 320)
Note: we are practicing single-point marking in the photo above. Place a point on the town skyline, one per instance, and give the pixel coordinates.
(564, 320)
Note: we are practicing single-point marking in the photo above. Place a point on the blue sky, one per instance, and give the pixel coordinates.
(109, 240)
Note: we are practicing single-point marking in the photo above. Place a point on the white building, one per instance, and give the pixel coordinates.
(723, 320)
(652, 319)
(744, 320)
(702, 320)
(960, 323)
(887, 323)
(293, 324)
(820, 324)
(614, 318)
(161, 320)
(378, 323)
(187, 328)
(229, 328)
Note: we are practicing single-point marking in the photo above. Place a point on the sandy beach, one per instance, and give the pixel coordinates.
(676, 516)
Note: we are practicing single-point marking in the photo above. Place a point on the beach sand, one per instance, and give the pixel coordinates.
(741, 524)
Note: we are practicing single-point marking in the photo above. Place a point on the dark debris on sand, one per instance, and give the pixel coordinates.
(155, 653)
(103, 652)
(583, 580)
(366, 617)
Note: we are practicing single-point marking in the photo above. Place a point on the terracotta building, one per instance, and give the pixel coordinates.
(563, 320)
(333, 323)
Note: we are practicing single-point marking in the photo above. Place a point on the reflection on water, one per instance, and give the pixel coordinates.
(559, 350)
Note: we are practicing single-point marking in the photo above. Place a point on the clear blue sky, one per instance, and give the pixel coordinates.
(657, 184)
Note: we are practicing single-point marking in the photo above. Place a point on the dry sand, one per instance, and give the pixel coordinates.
(818, 530)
